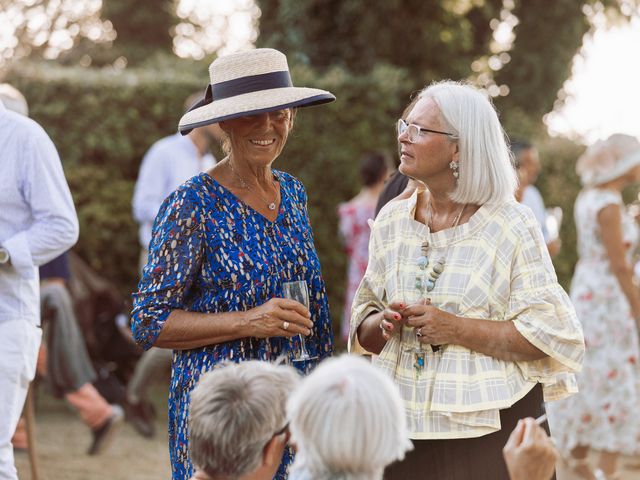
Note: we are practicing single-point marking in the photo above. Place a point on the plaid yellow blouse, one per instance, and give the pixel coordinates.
(496, 267)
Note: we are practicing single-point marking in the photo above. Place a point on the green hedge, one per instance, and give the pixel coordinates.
(103, 121)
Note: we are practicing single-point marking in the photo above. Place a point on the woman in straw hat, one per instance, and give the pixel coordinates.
(460, 300)
(225, 243)
(603, 416)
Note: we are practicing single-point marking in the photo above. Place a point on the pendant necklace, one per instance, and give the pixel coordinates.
(425, 281)
(270, 205)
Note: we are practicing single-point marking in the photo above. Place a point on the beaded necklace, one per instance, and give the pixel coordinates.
(425, 281)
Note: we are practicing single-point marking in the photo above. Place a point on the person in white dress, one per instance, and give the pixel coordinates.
(603, 415)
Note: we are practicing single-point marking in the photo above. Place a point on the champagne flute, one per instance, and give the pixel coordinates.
(297, 290)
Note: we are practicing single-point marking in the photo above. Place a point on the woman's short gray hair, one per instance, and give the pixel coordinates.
(347, 421)
(235, 411)
(485, 166)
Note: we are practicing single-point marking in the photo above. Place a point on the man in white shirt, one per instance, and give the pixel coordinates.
(37, 223)
(528, 166)
(167, 164)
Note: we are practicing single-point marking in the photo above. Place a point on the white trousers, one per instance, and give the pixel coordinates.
(19, 344)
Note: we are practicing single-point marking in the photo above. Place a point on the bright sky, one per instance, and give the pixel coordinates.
(604, 91)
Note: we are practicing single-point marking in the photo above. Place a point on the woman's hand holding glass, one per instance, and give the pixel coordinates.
(280, 317)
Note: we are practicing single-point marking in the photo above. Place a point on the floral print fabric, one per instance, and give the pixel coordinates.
(210, 252)
(603, 415)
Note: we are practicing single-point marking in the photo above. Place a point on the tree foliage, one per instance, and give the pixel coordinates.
(428, 38)
(141, 30)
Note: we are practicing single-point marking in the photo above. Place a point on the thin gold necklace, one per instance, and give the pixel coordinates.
(270, 205)
(455, 222)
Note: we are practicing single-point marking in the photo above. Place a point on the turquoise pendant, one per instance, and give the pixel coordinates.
(420, 361)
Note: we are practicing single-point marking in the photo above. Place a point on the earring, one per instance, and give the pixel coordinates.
(454, 167)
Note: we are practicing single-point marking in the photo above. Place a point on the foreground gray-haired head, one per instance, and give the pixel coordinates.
(237, 414)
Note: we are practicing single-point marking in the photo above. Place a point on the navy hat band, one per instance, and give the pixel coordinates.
(250, 84)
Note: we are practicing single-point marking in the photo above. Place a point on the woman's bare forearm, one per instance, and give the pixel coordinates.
(369, 333)
(185, 330)
(624, 275)
(497, 339)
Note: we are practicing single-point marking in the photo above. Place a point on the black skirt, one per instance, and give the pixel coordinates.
(467, 458)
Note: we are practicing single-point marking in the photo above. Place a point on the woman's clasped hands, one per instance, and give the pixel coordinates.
(431, 325)
(280, 317)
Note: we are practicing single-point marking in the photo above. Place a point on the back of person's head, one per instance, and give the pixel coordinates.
(347, 421)
(486, 173)
(236, 410)
(373, 168)
(517, 146)
(13, 100)
(608, 159)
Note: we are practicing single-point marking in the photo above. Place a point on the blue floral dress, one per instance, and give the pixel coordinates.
(210, 252)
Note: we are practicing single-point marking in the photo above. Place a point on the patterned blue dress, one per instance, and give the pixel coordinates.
(210, 252)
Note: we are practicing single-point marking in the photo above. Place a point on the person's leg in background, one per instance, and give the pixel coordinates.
(69, 368)
(19, 342)
(152, 363)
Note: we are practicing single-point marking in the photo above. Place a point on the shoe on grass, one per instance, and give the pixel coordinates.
(104, 434)
(141, 415)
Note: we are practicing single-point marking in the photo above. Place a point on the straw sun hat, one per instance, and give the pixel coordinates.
(249, 83)
(608, 159)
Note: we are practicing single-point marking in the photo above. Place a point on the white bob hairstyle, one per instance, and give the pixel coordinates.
(486, 172)
(347, 421)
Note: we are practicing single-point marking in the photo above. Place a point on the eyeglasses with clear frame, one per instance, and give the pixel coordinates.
(414, 131)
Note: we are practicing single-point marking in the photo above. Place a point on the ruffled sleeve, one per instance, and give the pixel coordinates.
(543, 313)
(175, 258)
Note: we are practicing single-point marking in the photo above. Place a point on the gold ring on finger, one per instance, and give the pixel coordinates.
(285, 325)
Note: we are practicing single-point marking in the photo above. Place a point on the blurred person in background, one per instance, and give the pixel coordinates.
(603, 416)
(226, 241)
(527, 161)
(460, 301)
(237, 425)
(347, 422)
(354, 229)
(37, 223)
(167, 164)
(65, 362)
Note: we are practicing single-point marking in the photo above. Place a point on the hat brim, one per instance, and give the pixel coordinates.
(252, 104)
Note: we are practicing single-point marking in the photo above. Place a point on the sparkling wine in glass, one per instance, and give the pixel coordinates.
(298, 291)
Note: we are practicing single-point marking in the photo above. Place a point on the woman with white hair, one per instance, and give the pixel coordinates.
(603, 416)
(460, 301)
(347, 422)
